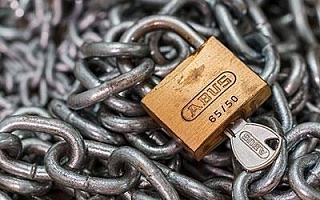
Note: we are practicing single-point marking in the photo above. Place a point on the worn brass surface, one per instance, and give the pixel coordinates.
(203, 95)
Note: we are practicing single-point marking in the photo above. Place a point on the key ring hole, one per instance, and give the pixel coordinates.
(273, 143)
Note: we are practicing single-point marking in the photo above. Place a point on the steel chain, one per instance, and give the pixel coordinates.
(73, 72)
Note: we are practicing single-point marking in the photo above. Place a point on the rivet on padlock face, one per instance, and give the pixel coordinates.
(199, 99)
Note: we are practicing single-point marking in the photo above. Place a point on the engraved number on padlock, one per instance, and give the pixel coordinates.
(199, 99)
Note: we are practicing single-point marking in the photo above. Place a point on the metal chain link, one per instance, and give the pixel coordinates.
(73, 72)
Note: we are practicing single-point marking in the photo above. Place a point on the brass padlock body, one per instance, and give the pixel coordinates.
(203, 95)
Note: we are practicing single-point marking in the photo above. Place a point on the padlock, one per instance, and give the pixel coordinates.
(203, 95)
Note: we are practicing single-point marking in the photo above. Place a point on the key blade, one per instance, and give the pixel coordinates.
(250, 147)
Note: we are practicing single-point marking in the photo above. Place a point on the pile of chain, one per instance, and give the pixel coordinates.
(72, 74)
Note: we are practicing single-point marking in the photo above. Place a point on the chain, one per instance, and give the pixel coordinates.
(73, 72)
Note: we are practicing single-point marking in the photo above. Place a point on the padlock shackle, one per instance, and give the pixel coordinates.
(161, 22)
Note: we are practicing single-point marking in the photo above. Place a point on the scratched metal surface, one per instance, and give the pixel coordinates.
(72, 74)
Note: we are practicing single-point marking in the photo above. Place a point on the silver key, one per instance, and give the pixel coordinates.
(249, 143)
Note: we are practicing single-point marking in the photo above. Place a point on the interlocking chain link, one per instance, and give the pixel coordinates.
(73, 72)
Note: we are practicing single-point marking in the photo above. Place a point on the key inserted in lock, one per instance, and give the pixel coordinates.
(254, 145)
(199, 99)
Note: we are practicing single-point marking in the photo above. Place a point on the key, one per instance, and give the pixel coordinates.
(207, 93)
(255, 146)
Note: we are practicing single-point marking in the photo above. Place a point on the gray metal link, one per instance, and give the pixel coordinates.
(296, 179)
(91, 184)
(72, 74)
(145, 166)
